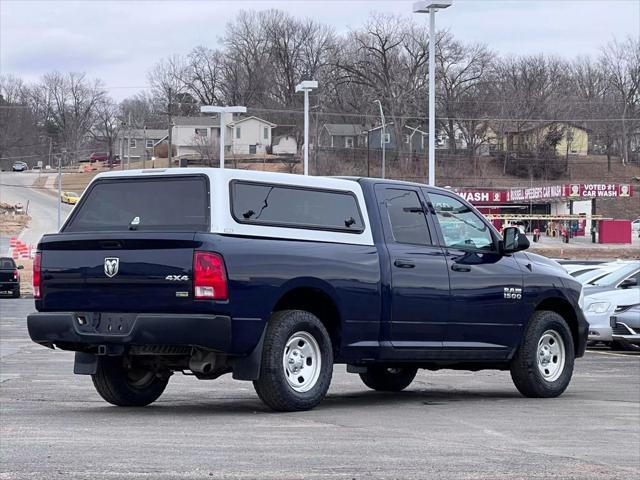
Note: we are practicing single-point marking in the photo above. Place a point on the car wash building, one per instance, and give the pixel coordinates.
(552, 208)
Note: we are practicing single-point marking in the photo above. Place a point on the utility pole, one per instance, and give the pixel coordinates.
(50, 147)
(60, 188)
(144, 144)
(129, 142)
(383, 137)
(170, 136)
(123, 125)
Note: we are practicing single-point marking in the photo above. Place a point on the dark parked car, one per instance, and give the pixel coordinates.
(275, 278)
(9, 277)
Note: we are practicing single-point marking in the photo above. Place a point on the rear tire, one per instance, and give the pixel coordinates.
(127, 387)
(16, 292)
(543, 365)
(387, 379)
(297, 362)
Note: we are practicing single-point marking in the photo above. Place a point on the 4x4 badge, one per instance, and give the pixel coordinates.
(111, 266)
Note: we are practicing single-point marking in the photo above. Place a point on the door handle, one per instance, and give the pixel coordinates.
(401, 263)
(460, 268)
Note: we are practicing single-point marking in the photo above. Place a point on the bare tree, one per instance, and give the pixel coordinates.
(621, 61)
(107, 124)
(71, 101)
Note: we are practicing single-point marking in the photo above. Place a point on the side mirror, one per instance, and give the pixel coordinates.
(513, 240)
(629, 282)
(20, 267)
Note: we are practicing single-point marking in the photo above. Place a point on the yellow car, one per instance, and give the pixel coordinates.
(70, 197)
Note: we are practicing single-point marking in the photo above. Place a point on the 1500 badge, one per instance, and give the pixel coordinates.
(177, 278)
(513, 293)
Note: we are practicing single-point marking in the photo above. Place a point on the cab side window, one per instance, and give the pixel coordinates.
(406, 216)
(461, 227)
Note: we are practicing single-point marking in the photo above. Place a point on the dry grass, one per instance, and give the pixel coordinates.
(11, 223)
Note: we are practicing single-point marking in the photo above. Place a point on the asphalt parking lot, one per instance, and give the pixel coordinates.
(446, 425)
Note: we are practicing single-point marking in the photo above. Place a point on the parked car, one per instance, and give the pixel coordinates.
(600, 306)
(592, 275)
(9, 277)
(36, 168)
(625, 326)
(635, 225)
(19, 167)
(70, 197)
(626, 276)
(275, 278)
(98, 157)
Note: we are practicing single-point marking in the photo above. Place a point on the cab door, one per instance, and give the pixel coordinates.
(418, 269)
(485, 312)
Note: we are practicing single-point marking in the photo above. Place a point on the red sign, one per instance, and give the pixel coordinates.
(476, 196)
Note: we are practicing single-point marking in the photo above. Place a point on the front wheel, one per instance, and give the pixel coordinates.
(127, 386)
(543, 365)
(388, 379)
(297, 362)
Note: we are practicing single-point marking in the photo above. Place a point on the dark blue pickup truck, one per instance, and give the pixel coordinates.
(275, 278)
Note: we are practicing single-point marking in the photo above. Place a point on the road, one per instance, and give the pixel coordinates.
(446, 425)
(16, 187)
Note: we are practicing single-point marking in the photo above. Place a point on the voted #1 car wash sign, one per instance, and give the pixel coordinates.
(588, 190)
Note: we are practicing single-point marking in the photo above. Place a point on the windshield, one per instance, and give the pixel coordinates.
(72, 194)
(612, 278)
(7, 264)
(178, 203)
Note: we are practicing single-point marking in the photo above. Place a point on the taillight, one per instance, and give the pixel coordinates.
(16, 274)
(37, 276)
(209, 277)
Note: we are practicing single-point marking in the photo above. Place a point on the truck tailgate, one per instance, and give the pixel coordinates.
(119, 272)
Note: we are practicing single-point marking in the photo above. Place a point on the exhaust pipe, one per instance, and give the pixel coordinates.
(202, 362)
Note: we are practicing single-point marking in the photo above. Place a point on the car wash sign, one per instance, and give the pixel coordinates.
(570, 191)
(482, 196)
(597, 190)
(535, 193)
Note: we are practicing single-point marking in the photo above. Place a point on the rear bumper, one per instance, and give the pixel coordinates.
(84, 332)
(9, 286)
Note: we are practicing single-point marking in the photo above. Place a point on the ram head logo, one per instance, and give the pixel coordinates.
(111, 266)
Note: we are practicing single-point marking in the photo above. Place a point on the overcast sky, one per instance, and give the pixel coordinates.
(118, 40)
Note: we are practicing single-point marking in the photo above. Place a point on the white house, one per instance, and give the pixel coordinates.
(248, 136)
(191, 134)
(243, 136)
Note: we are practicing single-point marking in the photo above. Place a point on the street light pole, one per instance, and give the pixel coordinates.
(431, 7)
(383, 138)
(223, 124)
(60, 188)
(306, 86)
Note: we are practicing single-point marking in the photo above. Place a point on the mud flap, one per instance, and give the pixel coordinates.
(85, 364)
(248, 368)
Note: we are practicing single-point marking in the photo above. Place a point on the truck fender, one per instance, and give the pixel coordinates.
(248, 368)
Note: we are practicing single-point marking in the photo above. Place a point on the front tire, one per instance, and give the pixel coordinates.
(388, 379)
(127, 387)
(543, 365)
(297, 362)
